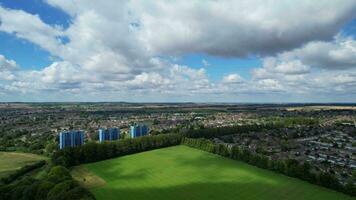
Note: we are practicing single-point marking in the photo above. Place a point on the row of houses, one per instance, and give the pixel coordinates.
(73, 138)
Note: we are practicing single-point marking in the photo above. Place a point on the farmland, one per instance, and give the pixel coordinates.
(184, 173)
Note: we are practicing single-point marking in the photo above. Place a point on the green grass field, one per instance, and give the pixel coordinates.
(10, 161)
(184, 173)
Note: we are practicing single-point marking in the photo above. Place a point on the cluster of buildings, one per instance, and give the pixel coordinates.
(73, 138)
(138, 130)
(336, 148)
(109, 134)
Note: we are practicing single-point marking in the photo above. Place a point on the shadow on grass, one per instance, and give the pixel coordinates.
(112, 171)
(228, 191)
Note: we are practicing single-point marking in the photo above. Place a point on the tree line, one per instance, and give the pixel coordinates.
(289, 167)
(93, 152)
(228, 130)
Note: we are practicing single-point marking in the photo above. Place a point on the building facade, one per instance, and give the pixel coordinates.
(71, 138)
(138, 130)
(109, 134)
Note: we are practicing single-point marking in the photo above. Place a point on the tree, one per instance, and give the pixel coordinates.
(58, 174)
(329, 180)
(43, 188)
(59, 190)
(31, 190)
(50, 148)
(350, 187)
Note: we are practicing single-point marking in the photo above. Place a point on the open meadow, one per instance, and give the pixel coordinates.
(11, 161)
(181, 172)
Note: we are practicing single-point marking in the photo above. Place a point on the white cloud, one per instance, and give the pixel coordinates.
(148, 80)
(7, 75)
(269, 85)
(238, 28)
(205, 63)
(6, 68)
(176, 27)
(232, 79)
(272, 67)
(317, 67)
(7, 64)
(337, 54)
(30, 27)
(292, 67)
(118, 47)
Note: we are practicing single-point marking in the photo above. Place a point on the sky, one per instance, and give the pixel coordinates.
(256, 51)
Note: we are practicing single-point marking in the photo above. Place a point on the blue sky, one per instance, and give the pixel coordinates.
(27, 54)
(268, 56)
(47, 13)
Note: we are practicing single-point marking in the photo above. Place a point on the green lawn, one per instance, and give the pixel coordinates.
(10, 161)
(184, 173)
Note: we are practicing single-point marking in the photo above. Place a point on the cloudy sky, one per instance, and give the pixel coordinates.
(175, 51)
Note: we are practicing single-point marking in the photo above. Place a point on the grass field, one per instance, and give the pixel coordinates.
(184, 173)
(10, 161)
